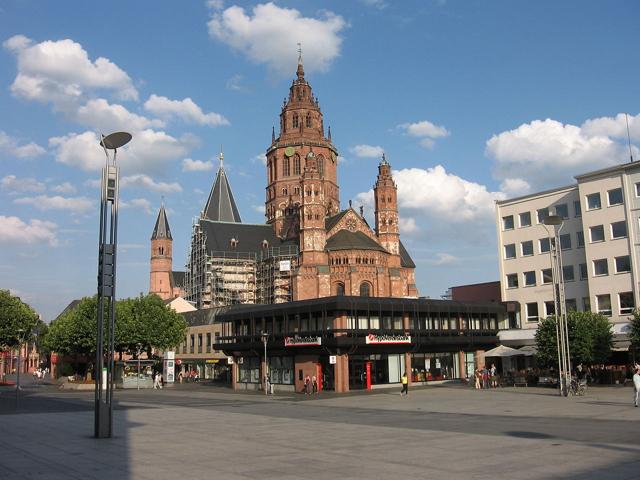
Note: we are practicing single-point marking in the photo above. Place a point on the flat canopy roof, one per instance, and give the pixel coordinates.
(341, 303)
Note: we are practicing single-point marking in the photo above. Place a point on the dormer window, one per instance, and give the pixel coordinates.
(233, 242)
(265, 244)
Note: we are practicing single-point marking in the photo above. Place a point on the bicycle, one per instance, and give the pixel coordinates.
(578, 387)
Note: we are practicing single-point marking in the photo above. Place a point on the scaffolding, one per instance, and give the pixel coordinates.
(230, 278)
(195, 269)
(274, 274)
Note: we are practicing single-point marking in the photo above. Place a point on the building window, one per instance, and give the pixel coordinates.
(512, 280)
(308, 121)
(527, 248)
(572, 305)
(623, 264)
(529, 278)
(580, 239)
(577, 209)
(340, 289)
(593, 201)
(208, 346)
(584, 274)
(562, 210)
(547, 276)
(542, 213)
(565, 242)
(532, 312)
(544, 245)
(296, 165)
(510, 251)
(596, 233)
(192, 343)
(507, 222)
(567, 273)
(637, 189)
(627, 303)
(549, 308)
(365, 289)
(525, 219)
(600, 267)
(586, 304)
(603, 303)
(286, 170)
(618, 230)
(320, 161)
(615, 196)
(295, 120)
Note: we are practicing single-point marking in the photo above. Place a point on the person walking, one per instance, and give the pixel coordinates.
(405, 385)
(307, 385)
(314, 384)
(477, 376)
(636, 386)
(156, 381)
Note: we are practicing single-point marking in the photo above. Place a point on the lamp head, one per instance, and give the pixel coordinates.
(552, 220)
(115, 140)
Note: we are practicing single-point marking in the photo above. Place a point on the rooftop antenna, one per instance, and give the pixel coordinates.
(221, 157)
(626, 116)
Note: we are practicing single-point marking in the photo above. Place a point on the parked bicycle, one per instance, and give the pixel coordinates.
(578, 387)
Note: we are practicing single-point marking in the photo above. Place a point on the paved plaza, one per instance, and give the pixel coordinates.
(439, 432)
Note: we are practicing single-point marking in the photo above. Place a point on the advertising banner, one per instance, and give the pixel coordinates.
(376, 339)
(302, 341)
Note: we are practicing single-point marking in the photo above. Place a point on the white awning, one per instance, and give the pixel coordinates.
(502, 351)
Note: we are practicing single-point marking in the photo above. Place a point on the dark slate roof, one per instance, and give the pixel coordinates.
(177, 279)
(161, 230)
(72, 306)
(249, 237)
(221, 207)
(346, 240)
(405, 258)
(331, 222)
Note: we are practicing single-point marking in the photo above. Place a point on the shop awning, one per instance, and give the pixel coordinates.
(502, 351)
(528, 350)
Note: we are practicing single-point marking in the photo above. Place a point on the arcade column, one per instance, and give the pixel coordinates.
(341, 373)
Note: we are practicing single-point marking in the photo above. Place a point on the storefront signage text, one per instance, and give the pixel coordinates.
(376, 339)
(301, 341)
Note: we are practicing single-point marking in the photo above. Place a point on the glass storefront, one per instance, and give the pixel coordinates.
(426, 367)
(385, 368)
(280, 370)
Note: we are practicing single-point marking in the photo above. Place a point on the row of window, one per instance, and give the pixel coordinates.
(593, 202)
(192, 343)
(617, 230)
(600, 267)
(626, 304)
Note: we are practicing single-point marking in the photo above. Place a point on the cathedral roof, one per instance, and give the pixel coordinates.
(247, 238)
(405, 258)
(330, 222)
(177, 279)
(221, 207)
(161, 230)
(346, 240)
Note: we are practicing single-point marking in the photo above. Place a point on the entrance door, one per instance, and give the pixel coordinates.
(357, 374)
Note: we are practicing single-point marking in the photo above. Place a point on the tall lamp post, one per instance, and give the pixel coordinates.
(265, 338)
(562, 331)
(20, 342)
(103, 419)
(138, 350)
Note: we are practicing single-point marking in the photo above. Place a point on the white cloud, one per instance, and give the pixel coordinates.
(215, 4)
(75, 205)
(189, 165)
(258, 208)
(149, 151)
(235, 84)
(92, 183)
(10, 146)
(367, 151)
(443, 259)
(378, 4)
(613, 126)
(15, 184)
(61, 71)
(139, 204)
(408, 225)
(262, 158)
(105, 117)
(185, 109)
(547, 153)
(14, 231)
(145, 181)
(270, 34)
(65, 187)
(425, 131)
(515, 187)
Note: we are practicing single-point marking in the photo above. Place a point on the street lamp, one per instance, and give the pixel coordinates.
(562, 331)
(265, 338)
(138, 349)
(20, 341)
(103, 419)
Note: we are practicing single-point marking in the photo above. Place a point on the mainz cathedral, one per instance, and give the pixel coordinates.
(308, 248)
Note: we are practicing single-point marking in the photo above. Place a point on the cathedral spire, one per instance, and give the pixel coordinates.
(221, 207)
(300, 71)
(161, 230)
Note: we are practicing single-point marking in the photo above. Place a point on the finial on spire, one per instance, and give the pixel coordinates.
(299, 53)
(300, 71)
(221, 157)
(273, 134)
(384, 159)
(329, 136)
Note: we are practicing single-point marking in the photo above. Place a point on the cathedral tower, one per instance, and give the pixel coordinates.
(161, 257)
(386, 212)
(301, 132)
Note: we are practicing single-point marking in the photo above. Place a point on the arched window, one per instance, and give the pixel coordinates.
(365, 289)
(340, 289)
(161, 251)
(286, 171)
(296, 165)
(308, 120)
(320, 160)
(295, 120)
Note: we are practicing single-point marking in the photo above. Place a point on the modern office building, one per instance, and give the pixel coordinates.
(598, 242)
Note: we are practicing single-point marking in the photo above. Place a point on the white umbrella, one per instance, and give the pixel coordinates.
(528, 350)
(502, 351)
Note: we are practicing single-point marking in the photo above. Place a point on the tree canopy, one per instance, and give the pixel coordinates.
(145, 321)
(17, 320)
(590, 339)
(634, 335)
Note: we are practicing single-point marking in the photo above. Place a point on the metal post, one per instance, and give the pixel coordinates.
(138, 349)
(20, 339)
(265, 337)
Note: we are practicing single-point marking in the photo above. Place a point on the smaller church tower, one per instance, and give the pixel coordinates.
(386, 210)
(161, 257)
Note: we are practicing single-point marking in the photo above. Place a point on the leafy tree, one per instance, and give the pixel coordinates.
(17, 320)
(634, 335)
(590, 339)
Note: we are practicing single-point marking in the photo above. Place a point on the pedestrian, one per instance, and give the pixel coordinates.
(405, 384)
(180, 377)
(636, 386)
(307, 385)
(493, 373)
(314, 384)
(267, 383)
(477, 375)
(156, 379)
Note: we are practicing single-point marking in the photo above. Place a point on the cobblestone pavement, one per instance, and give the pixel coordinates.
(201, 431)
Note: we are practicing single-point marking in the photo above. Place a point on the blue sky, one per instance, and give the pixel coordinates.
(472, 101)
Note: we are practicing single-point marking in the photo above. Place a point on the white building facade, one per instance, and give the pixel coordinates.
(599, 241)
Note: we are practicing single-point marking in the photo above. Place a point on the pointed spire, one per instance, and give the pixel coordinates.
(300, 71)
(221, 207)
(273, 134)
(161, 230)
(329, 136)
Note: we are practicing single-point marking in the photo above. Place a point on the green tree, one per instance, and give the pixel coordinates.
(590, 338)
(17, 320)
(634, 335)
